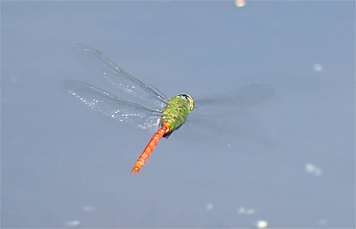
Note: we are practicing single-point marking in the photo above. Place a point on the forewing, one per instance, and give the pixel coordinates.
(136, 115)
(232, 101)
(119, 78)
(201, 123)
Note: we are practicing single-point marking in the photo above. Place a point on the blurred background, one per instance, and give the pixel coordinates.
(288, 162)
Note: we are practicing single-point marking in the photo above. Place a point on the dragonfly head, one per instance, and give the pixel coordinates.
(189, 99)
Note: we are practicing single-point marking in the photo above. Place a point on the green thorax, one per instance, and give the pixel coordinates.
(176, 112)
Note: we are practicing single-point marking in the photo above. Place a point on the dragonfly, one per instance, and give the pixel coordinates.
(143, 106)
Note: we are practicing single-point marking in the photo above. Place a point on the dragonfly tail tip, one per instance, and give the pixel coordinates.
(135, 170)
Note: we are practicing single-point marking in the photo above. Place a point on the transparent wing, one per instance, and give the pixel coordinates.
(199, 128)
(201, 123)
(119, 78)
(136, 115)
(232, 101)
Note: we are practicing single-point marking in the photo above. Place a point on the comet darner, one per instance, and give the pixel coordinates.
(141, 105)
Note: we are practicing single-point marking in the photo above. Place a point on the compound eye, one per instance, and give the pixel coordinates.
(184, 96)
(189, 99)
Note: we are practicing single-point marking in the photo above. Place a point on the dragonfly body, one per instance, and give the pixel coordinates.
(153, 110)
(149, 148)
(173, 117)
(176, 112)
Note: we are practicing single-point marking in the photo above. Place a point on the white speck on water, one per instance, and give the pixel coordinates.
(313, 169)
(318, 67)
(322, 222)
(72, 223)
(241, 210)
(262, 224)
(240, 3)
(250, 212)
(209, 206)
(88, 209)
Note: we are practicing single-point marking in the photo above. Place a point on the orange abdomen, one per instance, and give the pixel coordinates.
(149, 148)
